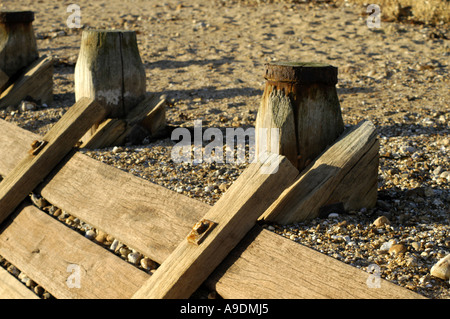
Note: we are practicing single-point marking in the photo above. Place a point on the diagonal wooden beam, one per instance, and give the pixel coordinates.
(44, 155)
(36, 82)
(219, 231)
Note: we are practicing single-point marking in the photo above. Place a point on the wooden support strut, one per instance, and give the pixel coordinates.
(36, 82)
(47, 153)
(345, 173)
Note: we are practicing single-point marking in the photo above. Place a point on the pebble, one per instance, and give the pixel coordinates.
(100, 237)
(397, 249)
(148, 264)
(38, 201)
(134, 257)
(27, 106)
(124, 251)
(90, 234)
(13, 270)
(114, 245)
(381, 221)
(385, 247)
(442, 268)
(416, 245)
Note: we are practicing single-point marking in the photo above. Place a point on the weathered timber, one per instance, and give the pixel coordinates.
(232, 216)
(54, 256)
(145, 119)
(346, 173)
(18, 47)
(12, 288)
(45, 154)
(167, 220)
(109, 67)
(268, 266)
(36, 82)
(105, 134)
(301, 100)
(110, 199)
(110, 70)
(4, 78)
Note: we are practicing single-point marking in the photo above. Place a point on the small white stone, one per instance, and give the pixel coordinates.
(116, 149)
(385, 246)
(333, 215)
(209, 188)
(114, 245)
(27, 106)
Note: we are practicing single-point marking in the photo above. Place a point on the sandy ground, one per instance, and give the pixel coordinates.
(208, 58)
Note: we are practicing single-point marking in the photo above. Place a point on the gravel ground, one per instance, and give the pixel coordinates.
(207, 58)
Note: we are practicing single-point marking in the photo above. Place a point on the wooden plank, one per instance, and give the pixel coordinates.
(36, 82)
(56, 144)
(12, 288)
(105, 135)
(147, 118)
(111, 199)
(346, 172)
(160, 219)
(14, 144)
(147, 217)
(232, 216)
(268, 266)
(52, 254)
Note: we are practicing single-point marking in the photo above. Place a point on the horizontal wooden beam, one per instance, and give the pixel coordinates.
(266, 265)
(53, 255)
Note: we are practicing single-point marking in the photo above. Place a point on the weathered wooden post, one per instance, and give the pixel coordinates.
(109, 69)
(23, 74)
(18, 47)
(301, 100)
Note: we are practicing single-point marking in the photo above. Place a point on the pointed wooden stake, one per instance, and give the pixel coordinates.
(44, 155)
